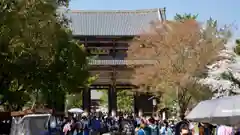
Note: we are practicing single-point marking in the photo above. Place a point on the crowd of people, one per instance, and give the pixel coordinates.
(122, 124)
(138, 125)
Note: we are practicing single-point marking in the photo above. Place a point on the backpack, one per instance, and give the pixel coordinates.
(166, 131)
(140, 132)
(154, 129)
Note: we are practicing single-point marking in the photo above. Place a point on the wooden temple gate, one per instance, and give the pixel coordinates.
(113, 72)
(141, 101)
(106, 34)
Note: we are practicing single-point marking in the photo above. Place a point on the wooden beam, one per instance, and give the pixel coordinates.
(107, 86)
(105, 41)
(104, 37)
(108, 47)
(108, 67)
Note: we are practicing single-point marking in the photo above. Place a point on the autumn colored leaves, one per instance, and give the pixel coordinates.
(181, 49)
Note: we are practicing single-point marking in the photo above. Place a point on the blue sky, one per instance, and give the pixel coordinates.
(225, 11)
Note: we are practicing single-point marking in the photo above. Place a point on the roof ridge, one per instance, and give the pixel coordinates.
(117, 11)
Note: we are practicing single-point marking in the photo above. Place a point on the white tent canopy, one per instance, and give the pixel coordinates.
(75, 110)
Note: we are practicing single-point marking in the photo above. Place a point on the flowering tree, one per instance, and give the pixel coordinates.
(181, 50)
(223, 75)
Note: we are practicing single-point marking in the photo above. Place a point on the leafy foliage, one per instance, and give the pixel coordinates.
(124, 100)
(236, 82)
(104, 98)
(237, 48)
(74, 100)
(181, 50)
(38, 52)
(184, 17)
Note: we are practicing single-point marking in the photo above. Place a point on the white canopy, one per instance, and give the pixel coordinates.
(75, 110)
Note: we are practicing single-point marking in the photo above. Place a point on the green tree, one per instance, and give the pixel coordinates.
(179, 17)
(124, 100)
(237, 48)
(74, 100)
(38, 54)
(104, 98)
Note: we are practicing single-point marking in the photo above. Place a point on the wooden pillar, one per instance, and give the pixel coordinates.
(86, 99)
(112, 93)
(136, 103)
(112, 99)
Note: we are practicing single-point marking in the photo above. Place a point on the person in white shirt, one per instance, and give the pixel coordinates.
(191, 127)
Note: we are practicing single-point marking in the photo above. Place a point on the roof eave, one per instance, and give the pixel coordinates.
(83, 35)
(162, 14)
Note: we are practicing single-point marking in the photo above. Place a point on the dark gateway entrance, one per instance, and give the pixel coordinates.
(106, 34)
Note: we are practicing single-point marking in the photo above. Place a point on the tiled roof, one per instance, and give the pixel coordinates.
(113, 23)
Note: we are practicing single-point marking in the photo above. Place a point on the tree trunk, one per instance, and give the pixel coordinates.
(56, 101)
(182, 114)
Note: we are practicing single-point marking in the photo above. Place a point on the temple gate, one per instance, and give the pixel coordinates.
(106, 34)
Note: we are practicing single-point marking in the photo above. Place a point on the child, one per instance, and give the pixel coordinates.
(166, 130)
(140, 130)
